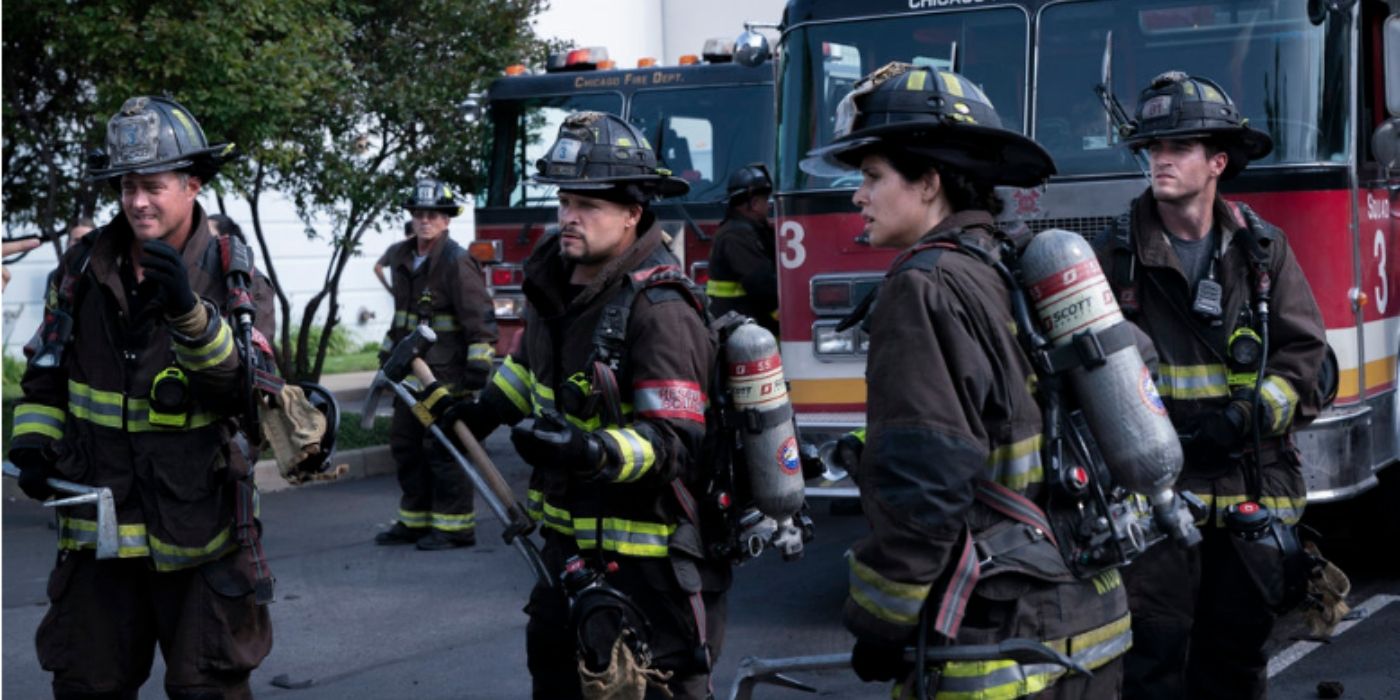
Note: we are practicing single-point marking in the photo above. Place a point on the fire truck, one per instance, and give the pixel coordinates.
(1311, 74)
(706, 118)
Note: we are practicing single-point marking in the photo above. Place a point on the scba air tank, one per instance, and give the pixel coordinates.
(754, 378)
(1119, 400)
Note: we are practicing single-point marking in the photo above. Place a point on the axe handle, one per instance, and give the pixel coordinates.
(478, 456)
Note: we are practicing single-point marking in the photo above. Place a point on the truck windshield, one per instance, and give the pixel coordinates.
(521, 131)
(821, 62)
(1286, 74)
(703, 134)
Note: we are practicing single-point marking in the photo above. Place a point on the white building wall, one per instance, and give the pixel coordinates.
(630, 29)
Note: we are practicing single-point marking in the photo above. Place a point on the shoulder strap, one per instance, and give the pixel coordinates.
(923, 256)
(1122, 275)
(61, 300)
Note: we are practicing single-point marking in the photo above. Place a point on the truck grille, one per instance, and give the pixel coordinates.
(1086, 226)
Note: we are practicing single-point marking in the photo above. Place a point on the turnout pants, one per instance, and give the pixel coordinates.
(1199, 624)
(436, 491)
(675, 642)
(105, 619)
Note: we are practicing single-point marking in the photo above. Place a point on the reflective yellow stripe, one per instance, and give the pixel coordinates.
(481, 352)
(892, 601)
(110, 409)
(209, 354)
(517, 383)
(134, 541)
(1285, 508)
(1017, 465)
(630, 537)
(400, 320)
(454, 522)
(77, 533)
(38, 419)
(534, 504)
(1278, 393)
(636, 453)
(1004, 680)
(1187, 382)
(724, 289)
(445, 322)
(413, 518)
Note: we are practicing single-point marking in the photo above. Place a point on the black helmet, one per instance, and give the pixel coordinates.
(1180, 106)
(433, 195)
(154, 135)
(324, 401)
(596, 152)
(750, 179)
(934, 113)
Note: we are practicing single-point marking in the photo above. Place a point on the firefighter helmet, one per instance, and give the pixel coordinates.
(1181, 106)
(935, 113)
(154, 135)
(750, 179)
(597, 152)
(324, 402)
(433, 195)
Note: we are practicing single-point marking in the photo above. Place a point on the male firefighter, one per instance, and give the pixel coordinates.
(436, 283)
(950, 475)
(613, 368)
(743, 273)
(1192, 270)
(142, 395)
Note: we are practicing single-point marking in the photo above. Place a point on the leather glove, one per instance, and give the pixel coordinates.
(480, 418)
(848, 451)
(164, 266)
(552, 443)
(879, 660)
(35, 468)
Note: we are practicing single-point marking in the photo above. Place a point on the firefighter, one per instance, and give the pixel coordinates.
(386, 259)
(953, 427)
(143, 396)
(613, 370)
(1182, 261)
(743, 273)
(436, 283)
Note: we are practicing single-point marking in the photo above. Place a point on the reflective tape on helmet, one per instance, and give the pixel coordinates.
(38, 419)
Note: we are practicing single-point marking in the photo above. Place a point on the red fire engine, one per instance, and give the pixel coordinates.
(1311, 74)
(705, 117)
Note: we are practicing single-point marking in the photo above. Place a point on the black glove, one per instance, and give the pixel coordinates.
(383, 355)
(879, 660)
(552, 443)
(164, 266)
(480, 418)
(1220, 431)
(848, 451)
(35, 468)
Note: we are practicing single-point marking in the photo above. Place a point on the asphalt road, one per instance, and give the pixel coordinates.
(356, 621)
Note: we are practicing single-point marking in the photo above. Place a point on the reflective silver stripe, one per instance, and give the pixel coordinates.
(892, 601)
(1185, 382)
(1017, 465)
(1282, 400)
(209, 354)
(39, 419)
(1007, 679)
(515, 381)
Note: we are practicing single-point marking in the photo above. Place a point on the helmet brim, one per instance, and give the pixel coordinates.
(206, 163)
(451, 210)
(1243, 144)
(660, 186)
(990, 155)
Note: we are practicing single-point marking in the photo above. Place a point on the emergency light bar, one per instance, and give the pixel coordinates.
(485, 251)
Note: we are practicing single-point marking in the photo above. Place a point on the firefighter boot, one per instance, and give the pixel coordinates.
(438, 539)
(401, 534)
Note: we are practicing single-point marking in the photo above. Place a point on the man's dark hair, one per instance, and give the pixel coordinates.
(963, 192)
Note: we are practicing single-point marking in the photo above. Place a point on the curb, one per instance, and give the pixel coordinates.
(359, 464)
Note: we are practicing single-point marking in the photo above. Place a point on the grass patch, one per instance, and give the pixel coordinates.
(353, 362)
(353, 437)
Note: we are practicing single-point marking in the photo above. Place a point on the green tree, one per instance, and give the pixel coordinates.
(339, 104)
(399, 117)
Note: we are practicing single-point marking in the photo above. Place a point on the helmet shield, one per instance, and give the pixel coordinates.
(1180, 106)
(596, 152)
(433, 195)
(154, 135)
(934, 113)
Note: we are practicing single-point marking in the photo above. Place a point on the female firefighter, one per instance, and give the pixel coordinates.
(950, 472)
